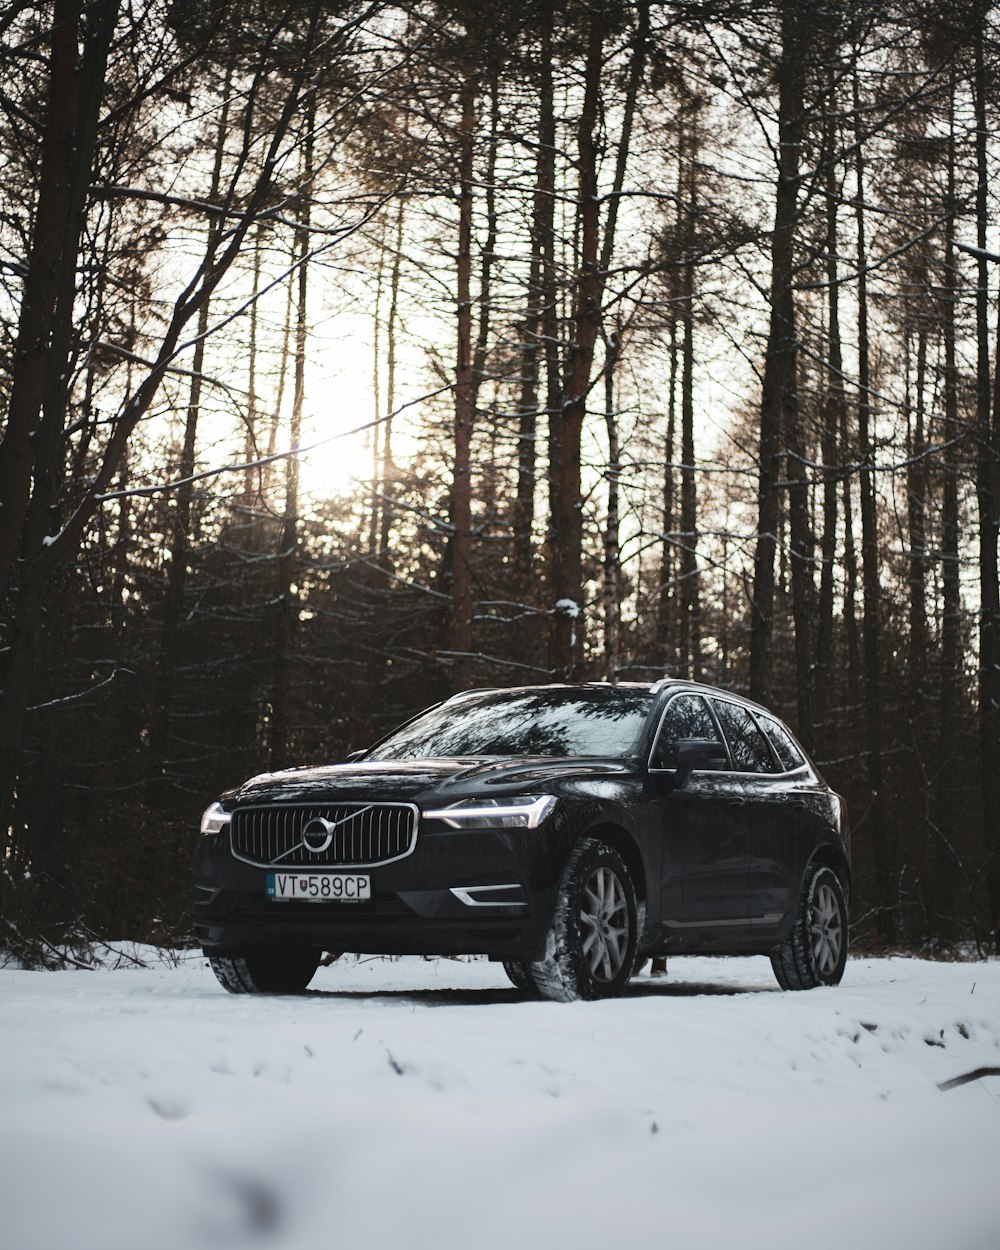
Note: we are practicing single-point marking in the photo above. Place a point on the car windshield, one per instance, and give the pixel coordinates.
(546, 721)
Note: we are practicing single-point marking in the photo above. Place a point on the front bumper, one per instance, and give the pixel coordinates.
(425, 904)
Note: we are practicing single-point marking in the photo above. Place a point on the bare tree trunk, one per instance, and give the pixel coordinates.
(779, 390)
(802, 539)
(567, 505)
(851, 630)
(123, 536)
(988, 492)
(802, 547)
(386, 474)
(30, 454)
(538, 319)
(991, 710)
(871, 630)
(834, 416)
(251, 447)
(667, 597)
(460, 632)
(946, 793)
(689, 599)
(916, 495)
(488, 256)
(551, 294)
(40, 374)
(612, 549)
(566, 529)
(180, 526)
(288, 560)
(286, 355)
(376, 430)
(523, 511)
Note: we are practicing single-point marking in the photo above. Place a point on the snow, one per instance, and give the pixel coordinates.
(420, 1103)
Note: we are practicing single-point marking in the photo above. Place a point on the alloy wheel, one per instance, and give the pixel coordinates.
(826, 927)
(604, 924)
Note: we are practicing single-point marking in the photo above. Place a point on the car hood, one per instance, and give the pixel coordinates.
(438, 780)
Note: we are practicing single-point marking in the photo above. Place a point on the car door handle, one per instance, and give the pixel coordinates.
(736, 801)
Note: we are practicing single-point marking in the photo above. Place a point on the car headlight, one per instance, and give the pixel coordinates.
(526, 811)
(215, 819)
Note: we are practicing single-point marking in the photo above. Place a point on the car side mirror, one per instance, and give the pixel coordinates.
(354, 755)
(698, 755)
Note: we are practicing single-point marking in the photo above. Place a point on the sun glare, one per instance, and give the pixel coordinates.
(337, 428)
(338, 424)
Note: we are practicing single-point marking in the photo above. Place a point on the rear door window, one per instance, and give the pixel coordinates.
(784, 745)
(747, 745)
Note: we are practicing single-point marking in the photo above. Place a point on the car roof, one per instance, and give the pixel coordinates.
(654, 687)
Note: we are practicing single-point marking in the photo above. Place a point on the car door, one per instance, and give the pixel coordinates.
(704, 827)
(771, 807)
(798, 813)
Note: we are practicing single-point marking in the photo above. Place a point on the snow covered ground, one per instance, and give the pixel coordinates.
(421, 1104)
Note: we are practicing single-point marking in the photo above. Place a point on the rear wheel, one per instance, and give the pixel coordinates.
(590, 949)
(267, 969)
(815, 952)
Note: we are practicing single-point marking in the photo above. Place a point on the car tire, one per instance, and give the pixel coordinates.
(590, 948)
(520, 976)
(267, 969)
(815, 952)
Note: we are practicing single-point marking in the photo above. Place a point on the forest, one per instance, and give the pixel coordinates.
(356, 352)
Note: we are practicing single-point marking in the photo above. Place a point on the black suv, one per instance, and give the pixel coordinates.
(568, 831)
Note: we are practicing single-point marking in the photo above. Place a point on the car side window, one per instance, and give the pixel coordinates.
(789, 754)
(747, 744)
(687, 716)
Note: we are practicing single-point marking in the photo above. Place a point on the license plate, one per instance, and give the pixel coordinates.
(318, 887)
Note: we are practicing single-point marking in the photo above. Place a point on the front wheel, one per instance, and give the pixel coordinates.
(815, 952)
(520, 976)
(590, 949)
(267, 969)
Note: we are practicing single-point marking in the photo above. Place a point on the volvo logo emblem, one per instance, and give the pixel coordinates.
(317, 835)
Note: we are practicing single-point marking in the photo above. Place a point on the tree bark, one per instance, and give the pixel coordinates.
(871, 627)
(667, 596)
(916, 511)
(988, 493)
(180, 518)
(566, 530)
(594, 258)
(537, 321)
(281, 752)
(612, 549)
(688, 597)
(834, 415)
(460, 631)
(40, 366)
(779, 390)
(386, 471)
(250, 444)
(376, 430)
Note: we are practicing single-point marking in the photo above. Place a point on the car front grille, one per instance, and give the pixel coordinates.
(343, 834)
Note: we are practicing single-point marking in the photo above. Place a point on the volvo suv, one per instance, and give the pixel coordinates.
(567, 831)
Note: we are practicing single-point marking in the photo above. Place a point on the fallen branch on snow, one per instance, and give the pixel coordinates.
(966, 1077)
